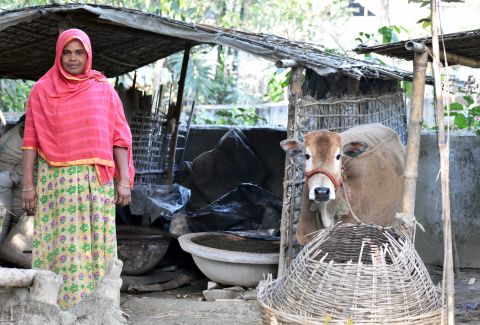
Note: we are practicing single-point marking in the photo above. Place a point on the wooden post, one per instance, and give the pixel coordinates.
(410, 175)
(448, 288)
(286, 226)
(177, 113)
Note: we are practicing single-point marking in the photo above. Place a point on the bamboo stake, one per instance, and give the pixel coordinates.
(452, 58)
(443, 145)
(286, 226)
(177, 113)
(420, 62)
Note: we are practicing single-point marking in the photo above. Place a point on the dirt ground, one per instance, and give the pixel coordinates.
(467, 296)
(185, 306)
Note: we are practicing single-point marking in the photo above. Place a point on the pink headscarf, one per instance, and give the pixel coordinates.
(77, 120)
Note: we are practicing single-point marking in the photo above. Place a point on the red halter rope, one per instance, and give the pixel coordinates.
(320, 170)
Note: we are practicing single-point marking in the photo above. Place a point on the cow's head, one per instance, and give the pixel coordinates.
(322, 151)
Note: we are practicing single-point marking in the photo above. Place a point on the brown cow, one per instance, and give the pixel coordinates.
(356, 175)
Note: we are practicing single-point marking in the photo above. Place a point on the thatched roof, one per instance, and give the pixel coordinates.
(466, 44)
(125, 39)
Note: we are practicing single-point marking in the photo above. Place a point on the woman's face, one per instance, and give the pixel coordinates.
(74, 58)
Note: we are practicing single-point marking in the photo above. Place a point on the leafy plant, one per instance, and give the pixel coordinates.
(200, 78)
(276, 85)
(363, 37)
(233, 116)
(385, 34)
(408, 87)
(14, 94)
(465, 116)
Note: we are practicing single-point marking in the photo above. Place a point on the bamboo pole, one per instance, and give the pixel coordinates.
(448, 288)
(285, 63)
(177, 113)
(458, 59)
(286, 226)
(420, 62)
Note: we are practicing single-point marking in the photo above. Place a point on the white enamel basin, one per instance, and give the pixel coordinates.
(229, 267)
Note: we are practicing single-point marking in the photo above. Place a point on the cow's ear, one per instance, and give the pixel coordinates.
(355, 148)
(292, 146)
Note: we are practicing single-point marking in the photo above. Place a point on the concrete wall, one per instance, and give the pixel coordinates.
(464, 200)
(464, 186)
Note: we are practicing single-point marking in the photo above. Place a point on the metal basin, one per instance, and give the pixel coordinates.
(229, 266)
(140, 248)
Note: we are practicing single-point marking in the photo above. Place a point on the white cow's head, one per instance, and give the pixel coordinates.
(322, 151)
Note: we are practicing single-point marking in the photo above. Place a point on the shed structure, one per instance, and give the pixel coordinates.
(461, 48)
(326, 91)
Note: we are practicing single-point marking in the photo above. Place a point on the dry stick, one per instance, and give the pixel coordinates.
(448, 283)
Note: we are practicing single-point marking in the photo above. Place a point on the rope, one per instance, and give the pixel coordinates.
(344, 184)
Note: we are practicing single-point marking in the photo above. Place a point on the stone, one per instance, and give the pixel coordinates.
(110, 284)
(213, 285)
(235, 288)
(250, 294)
(216, 294)
(45, 287)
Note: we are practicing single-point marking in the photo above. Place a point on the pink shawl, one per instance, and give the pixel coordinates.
(77, 120)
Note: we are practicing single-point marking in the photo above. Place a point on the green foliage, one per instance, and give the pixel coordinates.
(465, 116)
(200, 78)
(363, 37)
(407, 87)
(385, 34)
(231, 116)
(14, 94)
(277, 84)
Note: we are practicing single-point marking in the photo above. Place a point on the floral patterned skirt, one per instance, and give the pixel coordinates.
(74, 228)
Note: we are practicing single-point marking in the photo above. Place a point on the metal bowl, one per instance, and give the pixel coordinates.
(140, 248)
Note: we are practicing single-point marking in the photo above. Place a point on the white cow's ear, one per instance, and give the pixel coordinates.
(355, 148)
(292, 146)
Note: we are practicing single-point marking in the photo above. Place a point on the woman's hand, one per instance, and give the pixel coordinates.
(29, 199)
(29, 193)
(123, 195)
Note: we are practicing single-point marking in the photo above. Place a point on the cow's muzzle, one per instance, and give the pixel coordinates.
(322, 194)
(319, 170)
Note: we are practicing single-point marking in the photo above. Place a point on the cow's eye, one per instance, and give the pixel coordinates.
(338, 156)
(307, 156)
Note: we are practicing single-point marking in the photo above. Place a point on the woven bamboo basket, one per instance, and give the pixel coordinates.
(353, 274)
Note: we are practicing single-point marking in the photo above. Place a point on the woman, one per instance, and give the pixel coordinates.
(75, 123)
